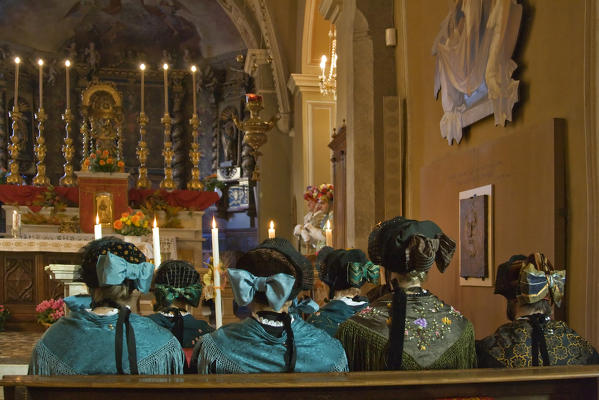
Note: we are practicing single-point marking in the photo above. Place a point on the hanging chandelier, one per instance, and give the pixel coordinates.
(328, 80)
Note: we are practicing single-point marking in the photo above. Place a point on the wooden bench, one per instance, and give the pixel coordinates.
(577, 382)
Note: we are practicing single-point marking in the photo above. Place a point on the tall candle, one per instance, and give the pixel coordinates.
(165, 67)
(329, 234)
(271, 230)
(216, 274)
(40, 62)
(67, 64)
(15, 223)
(98, 228)
(156, 244)
(143, 68)
(193, 90)
(17, 62)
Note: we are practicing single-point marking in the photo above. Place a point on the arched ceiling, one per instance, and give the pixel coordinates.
(148, 27)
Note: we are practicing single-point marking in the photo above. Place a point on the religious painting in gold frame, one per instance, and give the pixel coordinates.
(104, 208)
(476, 236)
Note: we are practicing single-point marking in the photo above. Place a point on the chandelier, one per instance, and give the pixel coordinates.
(328, 81)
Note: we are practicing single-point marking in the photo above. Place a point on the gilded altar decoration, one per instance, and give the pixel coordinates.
(255, 128)
(68, 150)
(194, 154)
(40, 178)
(14, 147)
(142, 148)
(104, 209)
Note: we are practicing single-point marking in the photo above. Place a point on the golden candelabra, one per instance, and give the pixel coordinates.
(142, 153)
(40, 178)
(255, 129)
(168, 154)
(14, 177)
(68, 151)
(194, 154)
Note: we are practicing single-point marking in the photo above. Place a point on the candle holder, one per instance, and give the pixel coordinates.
(14, 148)
(142, 153)
(194, 154)
(40, 178)
(168, 154)
(255, 128)
(68, 151)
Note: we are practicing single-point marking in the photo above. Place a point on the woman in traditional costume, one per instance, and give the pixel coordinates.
(176, 286)
(409, 328)
(345, 272)
(93, 341)
(531, 285)
(268, 278)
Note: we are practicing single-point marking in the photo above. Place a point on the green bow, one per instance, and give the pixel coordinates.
(537, 285)
(166, 295)
(359, 273)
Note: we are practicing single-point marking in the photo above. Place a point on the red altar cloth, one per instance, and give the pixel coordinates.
(190, 199)
(26, 195)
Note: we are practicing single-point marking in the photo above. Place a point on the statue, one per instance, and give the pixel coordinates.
(228, 139)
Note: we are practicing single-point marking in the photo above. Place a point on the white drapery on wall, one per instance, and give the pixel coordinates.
(473, 61)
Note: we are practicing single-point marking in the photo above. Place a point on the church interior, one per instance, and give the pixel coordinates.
(198, 129)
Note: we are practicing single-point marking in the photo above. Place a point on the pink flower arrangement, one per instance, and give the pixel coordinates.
(50, 311)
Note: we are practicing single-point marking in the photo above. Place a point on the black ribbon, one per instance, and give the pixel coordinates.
(124, 314)
(398, 327)
(538, 342)
(290, 353)
(177, 328)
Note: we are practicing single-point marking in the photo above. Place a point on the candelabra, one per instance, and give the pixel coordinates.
(255, 129)
(68, 151)
(40, 178)
(142, 153)
(168, 154)
(14, 177)
(195, 155)
(328, 82)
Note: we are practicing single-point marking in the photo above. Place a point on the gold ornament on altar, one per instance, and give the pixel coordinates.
(104, 208)
(68, 151)
(167, 183)
(255, 128)
(194, 153)
(14, 148)
(142, 148)
(40, 178)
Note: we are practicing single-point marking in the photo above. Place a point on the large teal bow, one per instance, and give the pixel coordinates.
(113, 270)
(245, 285)
(304, 306)
(537, 285)
(166, 295)
(359, 273)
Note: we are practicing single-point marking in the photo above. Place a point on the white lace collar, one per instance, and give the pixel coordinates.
(270, 322)
(170, 314)
(349, 301)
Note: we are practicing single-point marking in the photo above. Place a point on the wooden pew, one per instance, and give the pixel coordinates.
(576, 382)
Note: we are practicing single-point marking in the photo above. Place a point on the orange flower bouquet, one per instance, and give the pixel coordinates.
(132, 224)
(104, 161)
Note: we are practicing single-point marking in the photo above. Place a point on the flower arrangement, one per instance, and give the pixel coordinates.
(211, 182)
(49, 311)
(156, 202)
(132, 224)
(325, 192)
(4, 314)
(104, 161)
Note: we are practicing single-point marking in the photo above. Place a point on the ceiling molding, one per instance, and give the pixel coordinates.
(330, 9)
(303, 83)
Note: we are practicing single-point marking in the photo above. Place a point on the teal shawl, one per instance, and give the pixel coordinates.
(192, 328)
(245, 347)
(333, 314)
(83, 344)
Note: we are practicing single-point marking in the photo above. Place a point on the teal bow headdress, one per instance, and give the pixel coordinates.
(304, 306)
(245, 285)
(360, 273)
(166, 295)
(114, 270)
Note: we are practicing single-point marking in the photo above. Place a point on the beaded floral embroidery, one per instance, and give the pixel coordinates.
(425, 330)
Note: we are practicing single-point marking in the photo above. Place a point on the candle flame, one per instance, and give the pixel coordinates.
(272, 224)
(328, 224)
(40, 62)
(142, 66)
(155, 223)
(165, 66)
(67, 63)
(17, 60)
(193, 68)
(97, 219)
(213, 223)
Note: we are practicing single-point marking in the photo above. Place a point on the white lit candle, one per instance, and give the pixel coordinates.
(329, 234)
(216, 275)
(17, 62)
(271, 230)
(165, 67)
(98, 228)
(193, 90)
(156, 244)
(15, 223)
(67, 64)
(40, 62)
(142, 67)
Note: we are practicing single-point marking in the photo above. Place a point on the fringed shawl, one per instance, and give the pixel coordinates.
(329, 317)
(245, 347)
(83, 344)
